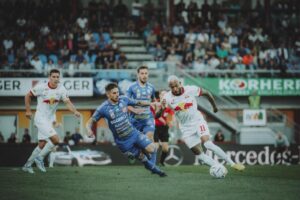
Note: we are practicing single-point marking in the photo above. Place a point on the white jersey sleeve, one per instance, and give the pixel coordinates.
(38, 89)
(193, 90)
(64, 94)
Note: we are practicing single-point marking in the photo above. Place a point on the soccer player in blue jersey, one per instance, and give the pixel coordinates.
(141, 90)
(128, 139)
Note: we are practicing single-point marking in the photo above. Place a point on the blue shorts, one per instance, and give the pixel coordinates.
(134, 144)
(145, 125)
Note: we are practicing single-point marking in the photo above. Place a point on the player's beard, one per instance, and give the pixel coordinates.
(115, 100)
(143, 81)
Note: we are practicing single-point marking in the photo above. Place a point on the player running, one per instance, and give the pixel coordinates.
(161, 134)
(48, 96)
(128, 139)
(141, 90)
(182, 100)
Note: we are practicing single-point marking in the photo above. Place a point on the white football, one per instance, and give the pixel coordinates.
(218, 171)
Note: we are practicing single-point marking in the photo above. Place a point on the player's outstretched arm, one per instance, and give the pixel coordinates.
(88, 127)
(143, 103)
(72, 108)
(89, 137)
(27, 105)
(210, 98)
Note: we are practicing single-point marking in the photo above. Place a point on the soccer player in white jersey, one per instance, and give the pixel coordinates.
(48, 96)
(194, 128)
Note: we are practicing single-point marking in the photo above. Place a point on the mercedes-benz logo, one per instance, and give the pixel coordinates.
(175, 156)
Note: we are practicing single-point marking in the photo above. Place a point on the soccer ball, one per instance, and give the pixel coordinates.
(218, 171)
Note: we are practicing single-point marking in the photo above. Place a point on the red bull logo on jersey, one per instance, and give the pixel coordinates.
(183, 106)
(51, 101)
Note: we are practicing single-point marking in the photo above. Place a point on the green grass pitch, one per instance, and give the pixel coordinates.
(135, 183)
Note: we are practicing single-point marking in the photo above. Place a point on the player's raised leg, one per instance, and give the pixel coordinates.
(53, 140)
(219, 152)
(28, 165)
(193, 142)
(149, 164)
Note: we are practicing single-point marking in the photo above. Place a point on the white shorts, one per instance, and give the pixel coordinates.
(45, 129)
(193, 139)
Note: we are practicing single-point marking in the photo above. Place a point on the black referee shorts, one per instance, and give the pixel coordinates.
(161, 133)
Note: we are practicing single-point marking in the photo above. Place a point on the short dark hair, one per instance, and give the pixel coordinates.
(142, 67)
(54, 71)
(110, 86)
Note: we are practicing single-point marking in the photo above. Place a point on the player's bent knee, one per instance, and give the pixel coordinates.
(141, 156)
(165, 148)
(42, 143)
(150, 148)
(55, 139)
(197, 149)
(205, 138)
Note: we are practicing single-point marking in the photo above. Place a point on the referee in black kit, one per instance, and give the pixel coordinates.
(161, 134)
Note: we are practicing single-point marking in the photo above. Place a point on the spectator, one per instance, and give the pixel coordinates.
(76, 137)
(51, 45)
(29, 45)
(219, 137)
(159, 53)
(178, 30)
(282, 149)
(82, 22)
(99, 62)
(122, 61)
(26, 137)
(148, 10)
(136, 9)
(254, 100)
(8, 44)
(67, 137)
(37, 64)
(12, 138)
(121, 14)
(205, 9)
(85, 65)
(49, 65)
(179, 8)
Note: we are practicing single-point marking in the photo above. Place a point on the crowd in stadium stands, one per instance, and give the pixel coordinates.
(228, 41)
(60, 34)
(50, 34)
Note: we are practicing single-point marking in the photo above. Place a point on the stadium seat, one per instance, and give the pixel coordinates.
(93, 58)
(106, 37)
(43, 58)
(96, 37)
(53, 58)
(113, 75)
(125, 75)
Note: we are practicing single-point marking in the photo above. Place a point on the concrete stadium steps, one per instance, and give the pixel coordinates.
(139, 57)
(134, 64)
(130, 42)
(133, 49)
(124, 35)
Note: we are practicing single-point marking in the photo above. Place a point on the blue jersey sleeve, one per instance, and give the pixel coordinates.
(153, 93)
(129, 101)
(129, 92)
(98, 113)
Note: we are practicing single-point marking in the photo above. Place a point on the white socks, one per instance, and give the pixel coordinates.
(47, 148)
(218, 151)
(33, 155)
(207, 159)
